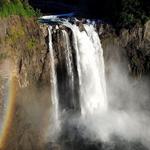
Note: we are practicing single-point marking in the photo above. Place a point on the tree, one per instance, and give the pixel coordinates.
(132, 12)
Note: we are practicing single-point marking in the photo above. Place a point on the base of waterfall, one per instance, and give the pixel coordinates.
(71, 139)
(100, 132)
(113, 130)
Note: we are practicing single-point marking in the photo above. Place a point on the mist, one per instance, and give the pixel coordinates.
(128, 114)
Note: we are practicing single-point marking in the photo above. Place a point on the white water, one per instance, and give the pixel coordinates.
(90, 67)
(91, 71)
(54, 89)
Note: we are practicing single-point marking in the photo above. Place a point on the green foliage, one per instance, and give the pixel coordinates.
(132, 12)
(15, 33)
(17, 8)
(31, 44)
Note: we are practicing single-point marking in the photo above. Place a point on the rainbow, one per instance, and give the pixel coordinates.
(9, 116)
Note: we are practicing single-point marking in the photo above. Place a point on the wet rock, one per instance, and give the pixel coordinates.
(147, 31)
(134, 44)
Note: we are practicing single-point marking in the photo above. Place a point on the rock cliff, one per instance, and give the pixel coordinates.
(133, 43)
(24, 49)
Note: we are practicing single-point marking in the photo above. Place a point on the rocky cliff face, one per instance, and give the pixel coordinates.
(133, 43)
(23, 41)
(24, 49)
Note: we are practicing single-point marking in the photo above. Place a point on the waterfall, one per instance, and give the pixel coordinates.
(91, 70)
(82, 55)
(69, 66)
(54, 89)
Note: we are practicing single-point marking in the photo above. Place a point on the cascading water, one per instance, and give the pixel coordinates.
(69, 67)
(91, 70)
(54, 90)
(68, 59)
(89, 65)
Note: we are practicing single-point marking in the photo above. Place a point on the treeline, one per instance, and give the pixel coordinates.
(123, 13)
(132, 12)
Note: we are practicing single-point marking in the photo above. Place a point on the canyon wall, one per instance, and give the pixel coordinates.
(24, 50)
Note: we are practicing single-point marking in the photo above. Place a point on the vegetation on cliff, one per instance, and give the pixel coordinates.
(16, 7)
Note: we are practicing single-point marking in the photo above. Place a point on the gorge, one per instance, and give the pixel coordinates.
(87, 111)
(73, 92)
